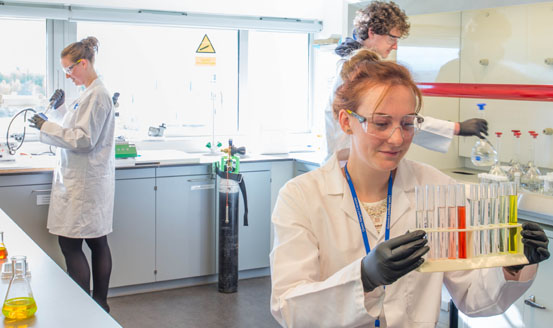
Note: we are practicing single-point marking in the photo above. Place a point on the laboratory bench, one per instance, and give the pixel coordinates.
(60, 301)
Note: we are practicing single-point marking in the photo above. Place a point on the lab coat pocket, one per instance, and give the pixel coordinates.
(71, 183)
(423, 296)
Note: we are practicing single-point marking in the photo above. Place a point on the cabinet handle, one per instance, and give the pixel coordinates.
(42, 190)
(199, 180)
(532, 302)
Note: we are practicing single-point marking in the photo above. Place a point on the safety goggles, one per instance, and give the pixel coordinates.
(382, 126)
(69, 69)
(392, 39)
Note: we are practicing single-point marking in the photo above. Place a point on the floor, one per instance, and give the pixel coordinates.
(203, 306)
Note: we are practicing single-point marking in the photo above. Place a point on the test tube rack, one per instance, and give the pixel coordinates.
(479, 261)
(483, 234)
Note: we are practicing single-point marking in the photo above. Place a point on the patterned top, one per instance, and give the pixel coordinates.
(377, 212)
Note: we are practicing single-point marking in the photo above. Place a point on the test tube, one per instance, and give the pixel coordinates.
(474, 236)
(431, 222)
(452, 220)
(442, 221)
(461, 220)
(502, 215)
(493, 234)
(419, 214)
(483, 218)
(513, 247)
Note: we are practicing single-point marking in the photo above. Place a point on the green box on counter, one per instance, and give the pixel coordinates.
(125, 150)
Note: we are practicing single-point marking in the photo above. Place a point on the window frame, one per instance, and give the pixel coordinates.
(61, 29)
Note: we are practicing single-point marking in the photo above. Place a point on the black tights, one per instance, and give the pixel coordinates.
(78, 269)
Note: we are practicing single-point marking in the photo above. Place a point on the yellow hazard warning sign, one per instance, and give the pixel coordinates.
(205, 46)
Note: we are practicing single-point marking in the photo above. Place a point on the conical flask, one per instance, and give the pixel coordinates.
(19, 303)
(3, 249)
(515, 163)
(530, 180)
(496, 168)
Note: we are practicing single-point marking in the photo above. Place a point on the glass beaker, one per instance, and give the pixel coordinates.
(3, 249)
(19, 302)
(496, 168)
(530, 180)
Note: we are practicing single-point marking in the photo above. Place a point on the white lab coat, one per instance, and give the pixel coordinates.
(83, 187)
(435, 134)
(318, 247)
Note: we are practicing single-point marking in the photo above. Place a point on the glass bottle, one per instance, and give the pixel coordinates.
(530, 180)
(483, 153)
(19, 303)
(3, 249)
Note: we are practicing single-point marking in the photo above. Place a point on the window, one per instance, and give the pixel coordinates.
(154, 69)
(22, 69)
(278, 80)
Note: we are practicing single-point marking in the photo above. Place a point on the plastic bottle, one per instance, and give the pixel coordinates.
(483, 153)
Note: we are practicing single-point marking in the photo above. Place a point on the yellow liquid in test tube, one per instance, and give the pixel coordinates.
(513, 246)
(19, 308)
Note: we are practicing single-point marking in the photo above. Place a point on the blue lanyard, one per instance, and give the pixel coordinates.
(360, 215)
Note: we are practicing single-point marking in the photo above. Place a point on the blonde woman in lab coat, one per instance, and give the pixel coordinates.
(378, 27)
(81, 205)
(323, 272)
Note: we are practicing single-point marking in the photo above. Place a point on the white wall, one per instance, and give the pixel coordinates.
(417, 7)
(306, 9)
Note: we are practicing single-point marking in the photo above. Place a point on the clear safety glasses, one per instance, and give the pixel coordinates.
(69, 69)
(382, 126)
(392, 39)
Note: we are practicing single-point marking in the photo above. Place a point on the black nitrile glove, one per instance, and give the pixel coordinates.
(392, 259)
(36, 121)
(535, 245)
(473, 127)
(57, 99)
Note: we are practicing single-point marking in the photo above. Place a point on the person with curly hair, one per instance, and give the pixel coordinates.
(379, 27)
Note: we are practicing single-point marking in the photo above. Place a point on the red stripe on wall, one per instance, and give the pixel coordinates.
(488, 91)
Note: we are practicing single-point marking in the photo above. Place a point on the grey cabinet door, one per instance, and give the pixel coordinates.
(27, 205)
(254, 240)
(132, 241)
(540, 293)
(185, 227)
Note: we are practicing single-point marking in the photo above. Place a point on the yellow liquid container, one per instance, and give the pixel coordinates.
(19, 308)
(513, 245)
(19, 302)
(3, 250)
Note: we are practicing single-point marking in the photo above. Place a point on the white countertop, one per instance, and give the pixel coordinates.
(60, 301)
(38, 163)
